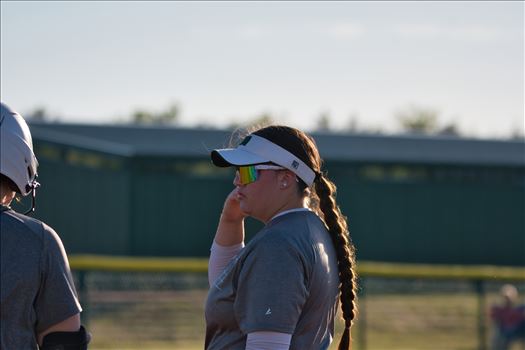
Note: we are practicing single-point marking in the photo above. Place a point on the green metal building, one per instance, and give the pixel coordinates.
(152, 191)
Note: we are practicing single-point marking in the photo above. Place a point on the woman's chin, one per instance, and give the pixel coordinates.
(246, 211)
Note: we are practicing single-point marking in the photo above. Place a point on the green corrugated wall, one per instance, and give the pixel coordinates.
(106, 204)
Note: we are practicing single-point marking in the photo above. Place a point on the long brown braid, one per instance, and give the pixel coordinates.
(337, 226)
(323, 202)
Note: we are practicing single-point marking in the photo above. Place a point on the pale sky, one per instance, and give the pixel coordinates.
(96, 62)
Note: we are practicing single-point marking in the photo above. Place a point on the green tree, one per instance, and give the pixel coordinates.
(142, 117)
(449, 130)
(38, 114)
(260, 121)
(352, 125)
(168, 116)
(418, 120)
(323, 122)
(518, 133)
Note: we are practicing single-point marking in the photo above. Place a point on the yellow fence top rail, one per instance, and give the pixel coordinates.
(137, 264)
(426, 271)
(365, 268)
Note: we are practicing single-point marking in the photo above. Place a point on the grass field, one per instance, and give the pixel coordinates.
(165, 310)
(174, 320)
(157, 303)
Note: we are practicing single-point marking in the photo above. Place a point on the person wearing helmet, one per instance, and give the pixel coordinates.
(39, 307)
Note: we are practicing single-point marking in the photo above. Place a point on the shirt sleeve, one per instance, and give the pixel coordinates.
(271, 288)
(57, 298)
(220, 257)
(268, 340)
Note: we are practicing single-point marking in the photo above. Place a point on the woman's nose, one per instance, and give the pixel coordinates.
(236, 179)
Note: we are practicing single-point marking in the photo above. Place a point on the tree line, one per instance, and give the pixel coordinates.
(416, 120)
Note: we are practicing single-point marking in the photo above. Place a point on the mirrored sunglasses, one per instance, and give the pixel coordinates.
(248, 174)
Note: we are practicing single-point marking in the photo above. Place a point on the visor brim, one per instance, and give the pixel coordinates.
(234, 157)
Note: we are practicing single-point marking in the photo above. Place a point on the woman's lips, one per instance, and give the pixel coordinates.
(240, 196)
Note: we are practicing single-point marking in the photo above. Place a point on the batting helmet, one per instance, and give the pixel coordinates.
(17, 160)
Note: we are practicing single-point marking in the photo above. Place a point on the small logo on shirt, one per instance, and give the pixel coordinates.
(268, 312)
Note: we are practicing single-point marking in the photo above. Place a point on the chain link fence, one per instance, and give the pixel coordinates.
(165, 310)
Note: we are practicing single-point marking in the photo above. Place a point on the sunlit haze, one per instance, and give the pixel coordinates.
(227, 62)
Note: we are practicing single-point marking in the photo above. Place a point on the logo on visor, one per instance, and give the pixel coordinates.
(246, 140)
(295, 164)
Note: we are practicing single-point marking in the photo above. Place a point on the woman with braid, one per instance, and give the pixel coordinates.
(281, 290)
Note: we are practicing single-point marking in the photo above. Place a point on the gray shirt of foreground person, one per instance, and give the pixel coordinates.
(285, 280)
(37, 290)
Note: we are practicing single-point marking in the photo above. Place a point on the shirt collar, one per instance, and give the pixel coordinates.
(289, 211)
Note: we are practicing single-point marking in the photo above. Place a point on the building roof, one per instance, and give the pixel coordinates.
(132, 140)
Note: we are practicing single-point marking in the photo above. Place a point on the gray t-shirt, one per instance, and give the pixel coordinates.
(285, 280)
(37, 290)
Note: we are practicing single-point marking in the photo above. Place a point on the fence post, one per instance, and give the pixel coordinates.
(482, 329)
(361, 335)
(83, 295)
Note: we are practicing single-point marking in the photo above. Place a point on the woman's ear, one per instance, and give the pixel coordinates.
(286, 179)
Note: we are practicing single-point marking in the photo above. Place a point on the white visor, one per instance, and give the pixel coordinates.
(256, 150)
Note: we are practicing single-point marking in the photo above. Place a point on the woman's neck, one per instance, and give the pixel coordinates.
(299, 203)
